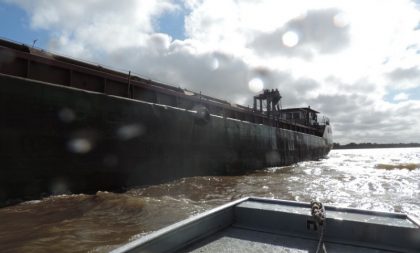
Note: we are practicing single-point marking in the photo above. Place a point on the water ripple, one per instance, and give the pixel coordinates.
(376, 179)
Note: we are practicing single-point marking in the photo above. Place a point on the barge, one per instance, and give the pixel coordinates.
(69, 127)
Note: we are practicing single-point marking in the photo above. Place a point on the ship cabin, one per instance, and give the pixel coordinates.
(304, 115)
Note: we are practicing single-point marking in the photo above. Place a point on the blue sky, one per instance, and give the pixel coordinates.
(15, 25)
(351, 60)
(173, 24)
(413, 94)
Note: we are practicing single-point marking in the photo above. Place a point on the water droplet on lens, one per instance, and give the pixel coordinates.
(290, 39)
(256, 85)
(66, 115)
(130, 131)
(215, 64)
(59, 186)
(80, 145)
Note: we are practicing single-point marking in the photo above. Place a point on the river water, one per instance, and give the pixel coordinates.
(374, 179)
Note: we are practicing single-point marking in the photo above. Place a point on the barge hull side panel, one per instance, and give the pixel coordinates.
(64, 140)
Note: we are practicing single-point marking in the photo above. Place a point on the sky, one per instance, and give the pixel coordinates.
(357, 62)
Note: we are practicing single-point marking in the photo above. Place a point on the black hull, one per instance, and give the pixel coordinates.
(56, 139)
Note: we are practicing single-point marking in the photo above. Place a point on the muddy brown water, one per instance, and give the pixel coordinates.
(374, 179)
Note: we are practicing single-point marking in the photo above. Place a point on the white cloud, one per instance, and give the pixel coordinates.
(401, 96)
(80, 26)
(403, 79)
(345, 59)
(304, 36)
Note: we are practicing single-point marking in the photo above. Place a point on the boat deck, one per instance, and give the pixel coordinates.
(267, 225)
(244, 240)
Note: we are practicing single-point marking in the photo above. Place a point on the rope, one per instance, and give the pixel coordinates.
(318, 213)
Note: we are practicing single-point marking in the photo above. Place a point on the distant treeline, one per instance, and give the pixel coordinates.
(375, 145)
